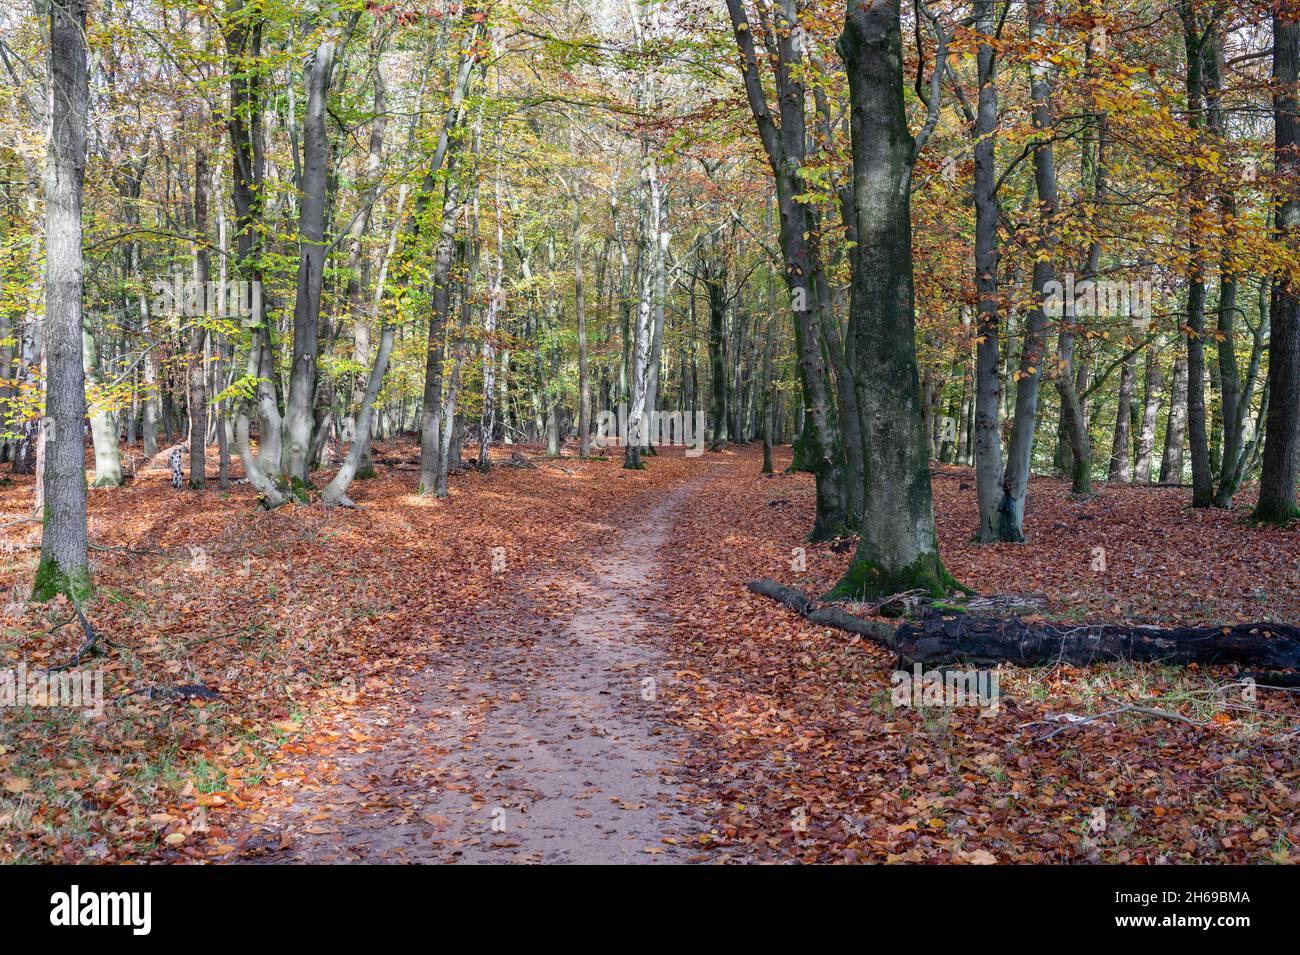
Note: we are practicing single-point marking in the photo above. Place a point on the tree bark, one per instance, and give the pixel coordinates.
(1150, 411)
(1197, 431)
(1015, 479)
(103, 431)
(64, 567)
(243, 40)
(198, 396)
(1171, 461)
(1119, 450)
(819, 450)
(1277, 483)
(580, 310)
(300, 411)
(898, 549)
(431, 403)
(988, 381)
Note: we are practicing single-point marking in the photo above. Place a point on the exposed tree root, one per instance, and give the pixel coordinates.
(87, 647)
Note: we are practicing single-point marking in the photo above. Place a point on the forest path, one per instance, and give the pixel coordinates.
(528, 742)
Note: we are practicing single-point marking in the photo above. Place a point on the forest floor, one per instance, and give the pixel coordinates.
(562, 664)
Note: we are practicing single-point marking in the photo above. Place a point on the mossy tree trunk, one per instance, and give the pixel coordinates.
(898, 549)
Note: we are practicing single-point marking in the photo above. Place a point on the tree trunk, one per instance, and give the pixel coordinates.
(1277, 483)
(300, 412)
(248, 151)
(988, 382)
(1119, 451)
(1171, 462)
(431, 403)
(358, 272)
(496, 299)
(198, 398)
(336, 491)
(64, 567)
(643, 331)
(1250, 443)
(1015, 480)
(580, 310)
(715, 288)
(103, 430)
(898, 549)
(819, 450)
(1197, 430)
(1150, 411)
(765, 395)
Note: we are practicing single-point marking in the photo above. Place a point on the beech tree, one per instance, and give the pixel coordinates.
(64, 567)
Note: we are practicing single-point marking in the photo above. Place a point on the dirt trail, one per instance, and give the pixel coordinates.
(525, 743)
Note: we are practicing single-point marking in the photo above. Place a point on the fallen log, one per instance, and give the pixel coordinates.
(1273, 680)
(947, 637)
(829, 615)
(942, 638)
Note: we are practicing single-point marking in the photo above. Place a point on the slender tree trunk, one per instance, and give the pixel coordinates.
(1171, 462)
(643, 330)
(336, 491)
(765, 397)
(819, 450)
(103, 430)
(715, 289)
(431, 405)
(149, 416)
(496, 299)
(1119, 452)
(23, 448)
(1197, 430)
(1150, 411)
(1015, 479)
(653, 397)
(198, 403)
(248, 153)
(1250, 443)
(988, 382)
(580, 310)
(449, 456)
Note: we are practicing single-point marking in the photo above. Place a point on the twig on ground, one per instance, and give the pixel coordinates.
(218, 636)
(1144, 710)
